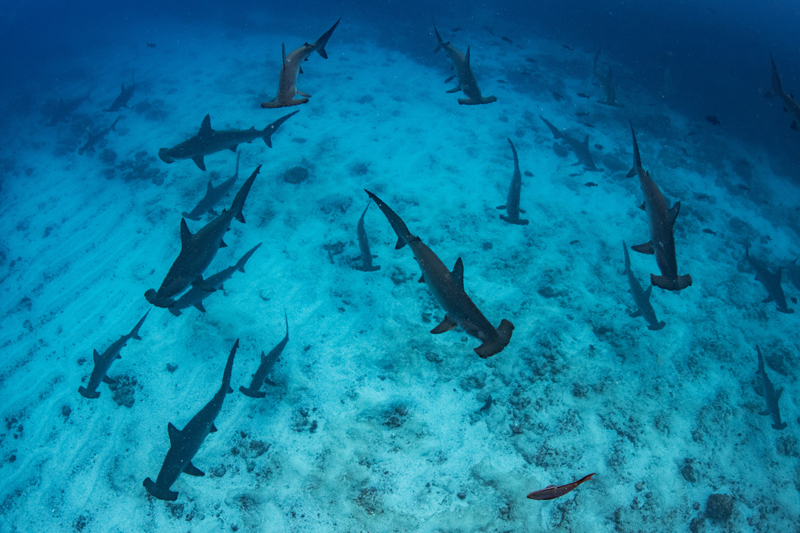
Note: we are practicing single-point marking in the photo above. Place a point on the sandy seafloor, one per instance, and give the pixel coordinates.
(396, 442)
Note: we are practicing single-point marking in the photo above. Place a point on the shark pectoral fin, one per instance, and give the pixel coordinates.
(108, 381)
(522, 211)
(173, 433)
(222, 244)
(467, 56)
(199, 307)
(229, 391)
(301, 93)
(631, 173)
(646, 248)
(270, 382)
(767, 300)
(96, 356)
(193, 470)
(446, 325)
(300, 68)
(454, 90)
(636, 314)
(451, 78)
(213, 427)
(421, 279)
(764, 413)
(400, 243)
(458, 273)
(199, 162)
(673, 213)
(501, 206)
(643, 207)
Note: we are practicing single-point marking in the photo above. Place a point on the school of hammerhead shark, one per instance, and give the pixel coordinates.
(184, 285)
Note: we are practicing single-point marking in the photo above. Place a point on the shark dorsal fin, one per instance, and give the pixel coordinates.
(209, 187)
(185, 233)
(263, 358)
(173, 432)
(283, 55)
(96, 356)
(205, 127)
(467, 56)
(458, 273)
(673, 213)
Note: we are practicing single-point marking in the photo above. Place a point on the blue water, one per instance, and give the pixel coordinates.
(373, 423)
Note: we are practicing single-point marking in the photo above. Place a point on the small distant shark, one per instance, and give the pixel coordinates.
(184, 443)
(103, 362)
(198, 250)
(209, 141)
(641, 297)
(97, 137)
(466, 80)
(65, 109)
(789, 103)
(448, 289)
(607, 82)
(771, 282)
(770, 396)
(580, 149)
(125, 94)
(512, 202)
(292, 66)
(267, 362)
(196, 295)
(661, 219)
(213, 195)
(364, 261)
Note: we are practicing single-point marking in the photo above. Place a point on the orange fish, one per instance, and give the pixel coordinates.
(552, 492)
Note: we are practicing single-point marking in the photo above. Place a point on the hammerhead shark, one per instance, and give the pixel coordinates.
(770, 396)
(448, 289)
(771, 282)
(267, 362)
(196, 295)
(789, 103)
(580, 149)
(607, 82)
(65, 109)
(103, 362)
(661, 219)
(198, 250)
(213, 195)
(184, 443)
(512, 202)
(466, 80)
(97, 137)
(209, 141)
(640, 297)
(364, 262)
(292, 66)
(125, 94)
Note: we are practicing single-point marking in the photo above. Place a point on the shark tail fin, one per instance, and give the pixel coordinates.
(490, 348)
(272, 128)
(135, 333)
(238, 202)
(241, 262)
(776, 81)
(226, 376)
(158, 492)
(319, 46)
(677, 284)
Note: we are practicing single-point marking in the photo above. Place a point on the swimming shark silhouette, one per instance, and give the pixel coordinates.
(97, 137)
(640, 297)
(607, 82)
(512, 202)
(65, 109)
(661, 219)
(198, 250)
(789, 103)
(580, 149)
(770, 396)
(194, 297)
(463, 71)
(184, 443)
(103, 362)
(771, 282)
(267, 362)
(364, 261)
(208, 141)
(292, 66)
(448, 289)
(213, 195)
(124, 95)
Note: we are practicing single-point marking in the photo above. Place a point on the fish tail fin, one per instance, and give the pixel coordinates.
(238, 202)
(272, 128)
(135, 332)
(319, 46)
